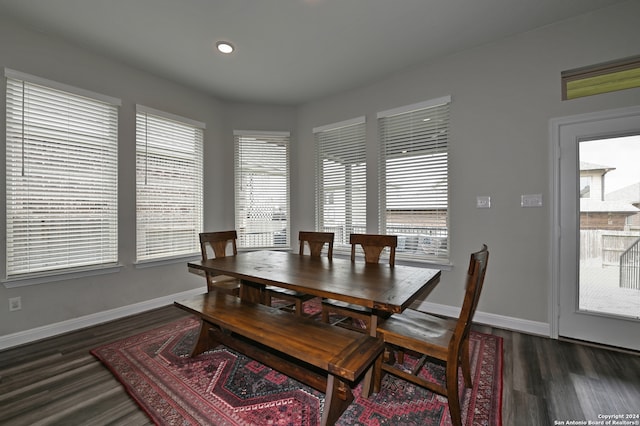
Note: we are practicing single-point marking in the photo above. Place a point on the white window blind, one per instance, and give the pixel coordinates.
(262, 189)
(61, 178)
(341, 179)
(413, 170)
(169, 186)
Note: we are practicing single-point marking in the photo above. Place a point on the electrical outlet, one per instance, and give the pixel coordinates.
(15, 303)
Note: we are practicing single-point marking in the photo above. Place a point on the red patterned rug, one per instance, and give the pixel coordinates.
(223, 387)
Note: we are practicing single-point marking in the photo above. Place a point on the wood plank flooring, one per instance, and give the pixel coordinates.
(58, 382)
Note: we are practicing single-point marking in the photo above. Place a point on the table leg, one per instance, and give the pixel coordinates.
(251, 292)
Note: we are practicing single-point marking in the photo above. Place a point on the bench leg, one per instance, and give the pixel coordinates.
(371, 382)
(204, 342)
(338, 397)
(368, 381)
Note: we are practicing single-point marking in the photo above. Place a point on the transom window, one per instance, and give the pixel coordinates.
(601, 78)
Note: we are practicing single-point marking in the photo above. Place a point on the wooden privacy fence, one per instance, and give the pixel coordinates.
(616, 249)
(605, 246)
(613, 245)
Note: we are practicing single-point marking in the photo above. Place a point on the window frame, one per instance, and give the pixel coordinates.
(344, 139)
(89, 137)
(606, 77)
(249, 141)
(432, 247)
(169, 130)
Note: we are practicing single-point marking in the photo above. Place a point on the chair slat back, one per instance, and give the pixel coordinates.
(218, 241)
(475, 281)
(373, 245)
(316, 242)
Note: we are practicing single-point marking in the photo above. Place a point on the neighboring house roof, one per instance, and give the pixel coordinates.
(629, 194)
(584, 166)
(588, 205)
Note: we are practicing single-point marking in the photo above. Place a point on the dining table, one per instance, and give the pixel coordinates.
(383, 288)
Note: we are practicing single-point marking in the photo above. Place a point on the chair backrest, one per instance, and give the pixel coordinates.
(316, 242)
(373, 245)
(475, 281)
(218, 241)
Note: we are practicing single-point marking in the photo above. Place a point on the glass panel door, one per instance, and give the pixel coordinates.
(596, 230)
(609, 193)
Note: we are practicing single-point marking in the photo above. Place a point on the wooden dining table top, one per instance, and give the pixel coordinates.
(378, 286)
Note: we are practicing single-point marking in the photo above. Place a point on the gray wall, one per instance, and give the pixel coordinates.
(218, 174)
(503, 96)
(45, 304)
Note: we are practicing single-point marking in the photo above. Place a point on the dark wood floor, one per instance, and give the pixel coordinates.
(58, 382)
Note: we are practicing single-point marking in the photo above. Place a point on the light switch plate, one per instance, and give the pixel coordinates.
(483, 202)
(531, 200)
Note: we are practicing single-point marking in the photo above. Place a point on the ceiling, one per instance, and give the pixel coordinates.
(287, 51)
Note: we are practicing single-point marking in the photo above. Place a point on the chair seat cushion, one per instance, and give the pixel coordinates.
(224, 282)
(287, 292)
(224, 278)
(338, 304)
(418, 331)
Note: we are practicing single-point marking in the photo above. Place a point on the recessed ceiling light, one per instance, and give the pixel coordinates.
(224, 47)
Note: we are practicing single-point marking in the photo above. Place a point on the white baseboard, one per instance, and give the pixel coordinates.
(28, 336)
(500, 321)
(50, 330)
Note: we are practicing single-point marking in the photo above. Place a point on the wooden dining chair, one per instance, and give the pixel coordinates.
(434, 338)
(373, 246)
(316, 242)
(214, 245)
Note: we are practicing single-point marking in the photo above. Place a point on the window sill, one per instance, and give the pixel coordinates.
(47, 277)
(444, 265)
(151, 263)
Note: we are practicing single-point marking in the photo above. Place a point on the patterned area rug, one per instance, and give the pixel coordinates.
(223, 387)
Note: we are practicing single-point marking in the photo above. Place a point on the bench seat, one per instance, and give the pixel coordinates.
(330, 359)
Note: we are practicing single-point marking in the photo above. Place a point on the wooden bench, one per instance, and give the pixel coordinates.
(327, 358)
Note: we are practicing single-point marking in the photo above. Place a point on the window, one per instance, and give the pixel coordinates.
(341, 179)
(262, 189)
(585, 186)
(169, 185)
(414, 183)
(61, 178)
(601, 78)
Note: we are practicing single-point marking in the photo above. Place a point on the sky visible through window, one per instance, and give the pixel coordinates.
(623, 153)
